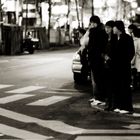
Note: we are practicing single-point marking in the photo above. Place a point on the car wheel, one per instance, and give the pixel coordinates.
(77, 77)
(80, 78)
(31, 50)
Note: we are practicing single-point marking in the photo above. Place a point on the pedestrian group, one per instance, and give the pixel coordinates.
(114, 59)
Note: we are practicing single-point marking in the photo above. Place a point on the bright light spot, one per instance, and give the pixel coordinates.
(134, 5)
(62, 9)
(61, 22)
(98, 3)
(129, 0)
(133, 13)
(138, 9)
(74, 24)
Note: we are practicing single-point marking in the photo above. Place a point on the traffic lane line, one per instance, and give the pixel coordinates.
(25, 89)
(20, 133)
(107, 138)
(54, 125)
(61, 127)
(5, 86)
(13, 98)
(49, 101)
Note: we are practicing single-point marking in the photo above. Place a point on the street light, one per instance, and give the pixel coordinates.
(134, 5)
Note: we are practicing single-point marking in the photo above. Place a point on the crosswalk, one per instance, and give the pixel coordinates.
(26, 92)
(12, 94)
(21, 134)
(25, 89)
(13, 98)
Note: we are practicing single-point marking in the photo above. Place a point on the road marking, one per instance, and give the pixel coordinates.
(136, 114)
(57, 126)
(20, 133)
(61, 127)
(137, 105)
(4, 61)
(107, 138)
(25, 89)
(13, 98)
(111, 131)
(1, 134)
(5, 86)
(49, 101)
(133, 126)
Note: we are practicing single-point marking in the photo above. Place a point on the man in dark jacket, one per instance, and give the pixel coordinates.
(96, 47)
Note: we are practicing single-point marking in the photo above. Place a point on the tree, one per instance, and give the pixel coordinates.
(77, 11)
(68, 12)
(84, 4)
(92, 7)
(49, 24)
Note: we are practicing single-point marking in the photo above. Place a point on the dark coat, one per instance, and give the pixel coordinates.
(96, 46)
(122, 54)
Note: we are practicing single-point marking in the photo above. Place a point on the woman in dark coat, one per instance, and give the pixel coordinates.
(123, 52)
(108, 63)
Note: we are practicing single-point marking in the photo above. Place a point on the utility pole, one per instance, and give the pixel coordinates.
(1, 20)
(0, 12)
(77, 11)
(92, 8)
(49, 22)
(26, 21)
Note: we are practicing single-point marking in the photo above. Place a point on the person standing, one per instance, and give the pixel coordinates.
(96, 47)
(135, 63)
(83, 40)
(123, 52)
(108, 63)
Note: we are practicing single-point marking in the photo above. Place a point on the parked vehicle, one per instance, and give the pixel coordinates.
(27, 45)
(80, 67)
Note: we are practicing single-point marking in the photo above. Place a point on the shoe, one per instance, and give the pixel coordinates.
(125, 112)
(96, 102)
(1, 134)
(103, 103)
(91, 100)
(116, 110)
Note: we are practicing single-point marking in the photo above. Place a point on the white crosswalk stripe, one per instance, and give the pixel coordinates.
(5, 86)
(25, 89)
(49, 101)
(13, 98)
(22, 134)
(108, 138)
(54, 125)
(25, 134)
(57, 126)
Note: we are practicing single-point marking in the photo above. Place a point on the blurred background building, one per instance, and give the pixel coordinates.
(60, 17)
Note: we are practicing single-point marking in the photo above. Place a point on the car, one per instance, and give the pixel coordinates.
(80, 67)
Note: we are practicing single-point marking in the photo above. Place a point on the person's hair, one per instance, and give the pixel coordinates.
(132, 27)
(82, 31)
(110, 23)
(136, 32)
(95, 19)
(120, 25)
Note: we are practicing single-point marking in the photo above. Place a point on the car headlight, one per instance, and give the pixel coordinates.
(76, 57)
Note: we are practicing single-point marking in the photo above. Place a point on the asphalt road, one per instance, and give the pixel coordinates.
(39, 100)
